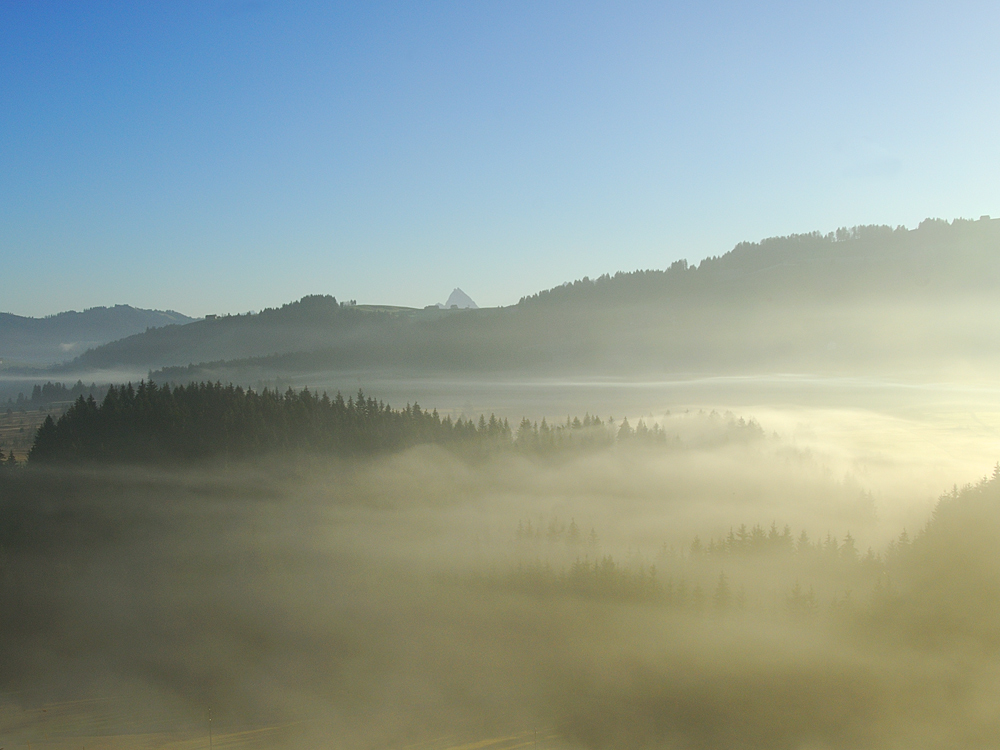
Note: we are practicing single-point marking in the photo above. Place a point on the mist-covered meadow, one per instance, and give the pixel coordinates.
(719, 580)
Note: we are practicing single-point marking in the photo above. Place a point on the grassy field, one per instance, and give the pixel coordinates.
(17, 429)
(107, 725)
(116, 724)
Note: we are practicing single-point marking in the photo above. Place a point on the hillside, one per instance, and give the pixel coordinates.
(310, 323)
(938, 260)
(58, 338)
(868, 297)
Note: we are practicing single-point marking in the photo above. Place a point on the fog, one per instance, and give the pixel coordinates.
(432, 598)
(904, 439)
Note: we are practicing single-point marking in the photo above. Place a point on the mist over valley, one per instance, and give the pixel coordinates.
(413, 536)
(546, 376)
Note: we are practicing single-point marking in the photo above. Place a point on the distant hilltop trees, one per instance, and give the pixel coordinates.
(54, 393)
(936, 256)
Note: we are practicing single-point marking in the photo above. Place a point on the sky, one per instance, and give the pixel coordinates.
(214, 157)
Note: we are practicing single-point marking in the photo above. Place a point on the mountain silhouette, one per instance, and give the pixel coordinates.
(459, 299)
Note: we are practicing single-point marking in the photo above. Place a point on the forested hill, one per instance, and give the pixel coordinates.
(62, 337)
(308, 324)
(856, 298)
(937, 260)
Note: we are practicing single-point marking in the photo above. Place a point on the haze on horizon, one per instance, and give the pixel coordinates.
(223, 157)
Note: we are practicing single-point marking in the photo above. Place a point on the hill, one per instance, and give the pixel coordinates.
(854, 300)
(61, 337)
(308, 324)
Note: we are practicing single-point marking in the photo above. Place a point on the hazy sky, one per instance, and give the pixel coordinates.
(226, 156)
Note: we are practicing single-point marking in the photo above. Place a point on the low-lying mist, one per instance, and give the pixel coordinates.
(619, 595)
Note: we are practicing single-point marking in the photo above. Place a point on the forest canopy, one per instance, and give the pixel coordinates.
(158, 423)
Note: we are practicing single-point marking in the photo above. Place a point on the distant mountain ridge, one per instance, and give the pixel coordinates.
(864, 297)
(61, 337)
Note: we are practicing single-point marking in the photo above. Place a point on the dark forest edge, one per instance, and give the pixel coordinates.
(154, 423)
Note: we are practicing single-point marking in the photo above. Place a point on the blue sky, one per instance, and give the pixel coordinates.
(228, 156)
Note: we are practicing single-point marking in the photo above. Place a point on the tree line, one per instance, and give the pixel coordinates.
(152, 423)
(51, 393)
(879, 249)
(940, 583)
(157, 423)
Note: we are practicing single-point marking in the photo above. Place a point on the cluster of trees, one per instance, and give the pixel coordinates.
(554, 531)
(51, 393)
(601, 578)
(945, 579)
(941, 583)
(589, 431)
(759, 557)
(605, 578)
(593, 431)
(758, 540)
(836, 565)
(595, 575)
(156, 423)
(21, 403)
(745, 541)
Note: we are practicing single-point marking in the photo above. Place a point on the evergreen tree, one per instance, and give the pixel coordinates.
(722, 596)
